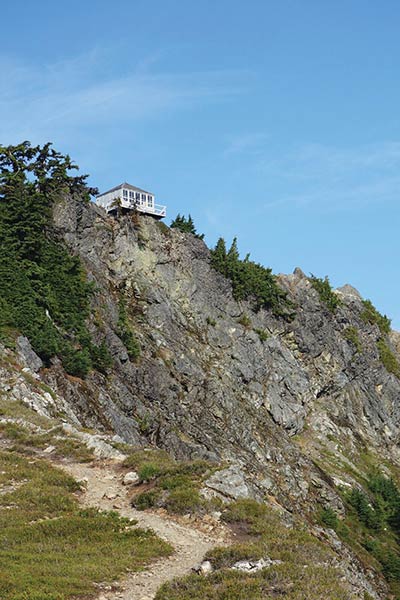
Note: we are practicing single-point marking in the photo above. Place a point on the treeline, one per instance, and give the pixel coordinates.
(44, 293)
(380, 513)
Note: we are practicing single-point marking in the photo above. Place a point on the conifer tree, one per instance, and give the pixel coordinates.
(250, 280)
(218, 257)
(185, 225)
(43, 289)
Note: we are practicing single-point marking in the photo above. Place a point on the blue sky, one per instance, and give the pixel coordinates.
(276, 121)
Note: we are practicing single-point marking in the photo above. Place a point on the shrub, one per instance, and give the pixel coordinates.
(101, 357)
(325, 292)
(388, 358)
(352, 336)
(149, 471)
(250, 280)
(371, 516)
(371, 315)
(137, 459)
(146, 499)
(221, 558)
(291, 579)
(171, 482)
(329, 518)
(75, 360)
(245, 321)
(262, 334)
(184, 499)
(175, 485)
(124, 331)
(162, 227)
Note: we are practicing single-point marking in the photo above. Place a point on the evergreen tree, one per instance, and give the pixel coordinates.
(185, 225)
(43, 289)
(250, 280)
(218, 257)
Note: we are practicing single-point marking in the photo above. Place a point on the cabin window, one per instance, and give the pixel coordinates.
(137, 195)
(150, 200)
(125, 193)
(131, 195)
(143, 198)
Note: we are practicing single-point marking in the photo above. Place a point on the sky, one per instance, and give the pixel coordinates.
(276, 121)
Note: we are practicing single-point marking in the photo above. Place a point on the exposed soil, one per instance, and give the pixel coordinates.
(104, 490)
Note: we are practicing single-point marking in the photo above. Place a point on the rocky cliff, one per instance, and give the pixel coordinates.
(295, 410)
(205, 383)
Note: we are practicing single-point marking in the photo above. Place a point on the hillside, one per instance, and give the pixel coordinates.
(298, 412)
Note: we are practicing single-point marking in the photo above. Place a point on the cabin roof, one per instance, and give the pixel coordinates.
(125, 185)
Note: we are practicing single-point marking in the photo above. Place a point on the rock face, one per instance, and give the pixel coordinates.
(206, 386)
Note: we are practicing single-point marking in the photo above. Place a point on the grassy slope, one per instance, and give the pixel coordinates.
(50, 549)
(307, 569)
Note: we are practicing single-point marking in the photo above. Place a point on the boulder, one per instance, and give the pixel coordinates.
(131, 478)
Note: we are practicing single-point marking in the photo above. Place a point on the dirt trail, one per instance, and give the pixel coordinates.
(190, 544)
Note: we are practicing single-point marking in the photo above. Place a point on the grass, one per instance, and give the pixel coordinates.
(307, 569)
(17, 410)
(30, 442)
(50, 549)
(278, 581)
(171, 484)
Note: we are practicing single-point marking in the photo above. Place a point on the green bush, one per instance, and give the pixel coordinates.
(149, 471)
(163, 227)
(368, 514)
(246, 510)
(378, 526)
(75, 360)
(329, 518)
(388, 358)
(250, 280)
(171, 482)
(222, 558)
(124, 331)
(146, 500)
(262, 334)
(184, 499)
(351, 334)
(174, 485)
(101, 357)
(326, 293)
(245, 321)
(371, 315)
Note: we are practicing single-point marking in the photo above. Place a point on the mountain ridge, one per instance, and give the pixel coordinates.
(294, 409)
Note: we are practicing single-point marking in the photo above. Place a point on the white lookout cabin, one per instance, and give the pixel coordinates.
(130, 197)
